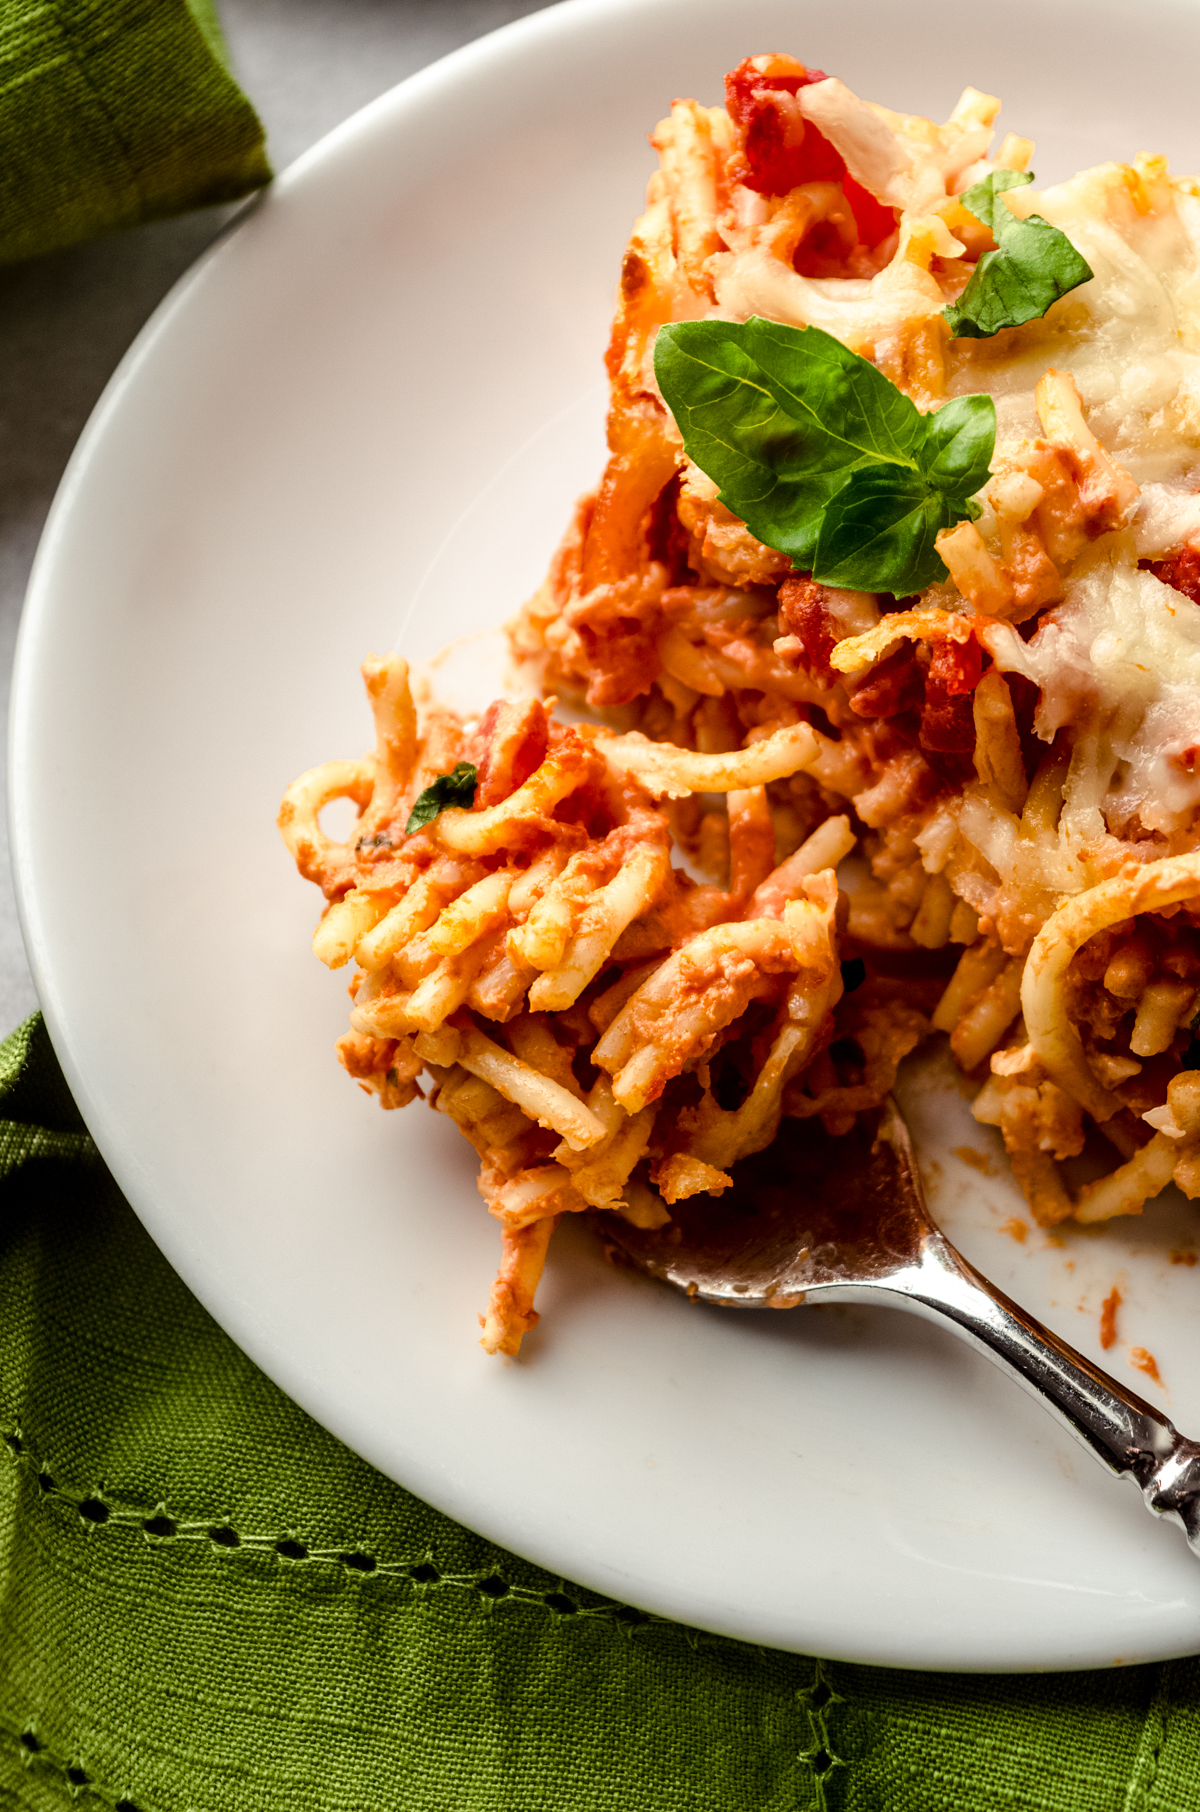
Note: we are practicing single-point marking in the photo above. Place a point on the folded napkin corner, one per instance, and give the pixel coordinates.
(116, 112)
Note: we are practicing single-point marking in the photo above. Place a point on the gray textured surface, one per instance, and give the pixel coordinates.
(66, 320)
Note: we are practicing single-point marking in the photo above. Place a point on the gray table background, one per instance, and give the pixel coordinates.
(66, 320)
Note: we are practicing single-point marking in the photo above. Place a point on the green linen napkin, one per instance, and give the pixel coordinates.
(113, 112)
(207, 1604)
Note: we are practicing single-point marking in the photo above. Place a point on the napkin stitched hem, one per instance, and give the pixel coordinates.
(25, 1747)
(100, 1508)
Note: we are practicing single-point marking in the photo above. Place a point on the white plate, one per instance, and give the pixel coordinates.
(389, 375)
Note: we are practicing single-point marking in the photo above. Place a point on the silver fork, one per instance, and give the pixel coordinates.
(814, 1219)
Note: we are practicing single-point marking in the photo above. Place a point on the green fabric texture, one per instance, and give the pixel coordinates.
(114, 112)
(207, 1604)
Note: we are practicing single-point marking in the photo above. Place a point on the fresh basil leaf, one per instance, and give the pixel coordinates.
(1034, 264)
(455, 788)
(848, 399)
(959, 439)
(779, 417)
(819, 454)
(770, 454)
(885, 519)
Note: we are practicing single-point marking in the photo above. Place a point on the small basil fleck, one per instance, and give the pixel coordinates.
(1033, 265)
(454, 788)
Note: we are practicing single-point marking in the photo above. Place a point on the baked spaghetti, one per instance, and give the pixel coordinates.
(896, 556)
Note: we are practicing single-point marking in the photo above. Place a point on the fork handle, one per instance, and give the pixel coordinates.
(1125, 1433)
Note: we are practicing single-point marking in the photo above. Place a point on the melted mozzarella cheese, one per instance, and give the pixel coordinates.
(1119, 659)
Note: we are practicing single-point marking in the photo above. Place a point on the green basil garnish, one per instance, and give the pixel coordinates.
(455, 788)
(1033, 264)
(819, 454)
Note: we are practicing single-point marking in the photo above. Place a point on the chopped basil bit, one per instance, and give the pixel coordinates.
(454, 788)
(1033, 265)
